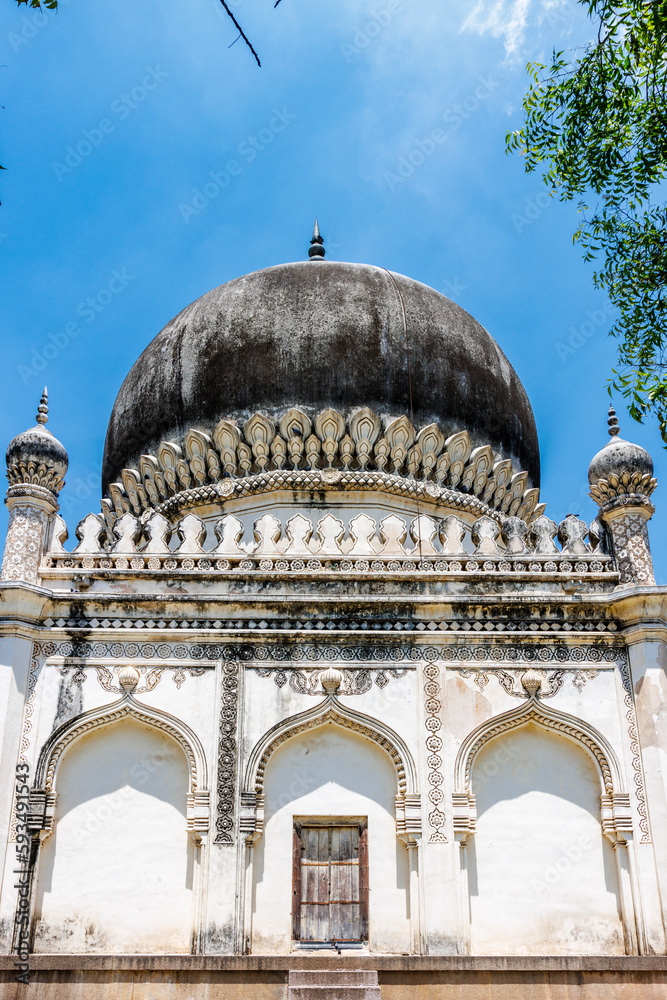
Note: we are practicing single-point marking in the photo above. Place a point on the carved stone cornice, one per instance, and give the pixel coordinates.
(36, 494)
(22, 602)
(617, 505)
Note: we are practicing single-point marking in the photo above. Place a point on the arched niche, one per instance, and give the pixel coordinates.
(545, 829)
(123, 815)
(331, 762)
(542, 876)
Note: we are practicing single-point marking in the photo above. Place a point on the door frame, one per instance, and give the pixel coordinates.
(298, 822)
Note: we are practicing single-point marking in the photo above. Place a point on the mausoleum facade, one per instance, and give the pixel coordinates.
(322, 688)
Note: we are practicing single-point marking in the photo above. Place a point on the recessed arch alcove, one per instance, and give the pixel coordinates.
(542, 876)
(330, 771)
(555, 796)
(117, 874)
(331, 762)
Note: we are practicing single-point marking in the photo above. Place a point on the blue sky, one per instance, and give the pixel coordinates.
(149, 162)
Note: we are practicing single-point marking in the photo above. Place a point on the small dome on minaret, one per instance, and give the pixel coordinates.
(36, 457)
(619, 456)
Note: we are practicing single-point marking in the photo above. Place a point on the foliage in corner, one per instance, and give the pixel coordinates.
(595, 125)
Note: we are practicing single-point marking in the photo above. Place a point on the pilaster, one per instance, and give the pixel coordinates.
(31, 512)
(627, 521)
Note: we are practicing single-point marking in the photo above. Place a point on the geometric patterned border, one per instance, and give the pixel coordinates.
(259, 624)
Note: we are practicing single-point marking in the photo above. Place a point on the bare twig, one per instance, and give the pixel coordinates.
(241, 32)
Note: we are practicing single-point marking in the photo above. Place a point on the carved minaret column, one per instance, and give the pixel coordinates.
(621, 479)
(36, 466)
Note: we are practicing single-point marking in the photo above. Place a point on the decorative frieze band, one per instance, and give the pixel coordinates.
(299, 651)
(464, 565)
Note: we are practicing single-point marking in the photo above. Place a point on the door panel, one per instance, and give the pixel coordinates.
(331, 886)
(315, 884)
(344, 884)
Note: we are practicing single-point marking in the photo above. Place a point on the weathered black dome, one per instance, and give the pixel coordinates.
(318, 334)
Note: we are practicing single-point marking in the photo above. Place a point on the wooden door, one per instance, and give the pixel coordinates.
(330, 883)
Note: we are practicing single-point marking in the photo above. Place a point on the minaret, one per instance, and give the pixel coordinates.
(36, 466)
(621, 480)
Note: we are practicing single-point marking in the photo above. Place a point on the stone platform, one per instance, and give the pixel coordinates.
(328, 977)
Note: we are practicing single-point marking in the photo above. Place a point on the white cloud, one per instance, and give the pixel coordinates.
(504, 19)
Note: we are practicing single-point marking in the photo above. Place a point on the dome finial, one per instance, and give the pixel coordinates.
(316, 250)
(43, 408)
(614, 429)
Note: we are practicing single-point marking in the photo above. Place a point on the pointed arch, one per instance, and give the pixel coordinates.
(107, 715)
(331, 711)
(573, 729)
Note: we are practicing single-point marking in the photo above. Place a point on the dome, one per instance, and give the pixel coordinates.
(320, 334)
(619, 457)
(36, 456)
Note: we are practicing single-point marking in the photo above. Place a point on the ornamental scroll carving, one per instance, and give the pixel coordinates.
(510, 680)
(354, 681)
(433, 706)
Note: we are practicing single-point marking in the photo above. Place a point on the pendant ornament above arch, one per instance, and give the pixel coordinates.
(43, 794)
(330, 711)
(616, 816)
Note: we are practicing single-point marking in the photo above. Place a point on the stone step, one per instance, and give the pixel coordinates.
(335, 977)
(333, 984)
(334, 993)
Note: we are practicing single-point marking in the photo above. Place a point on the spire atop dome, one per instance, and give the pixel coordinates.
(612, 420)
(316, 250)
(43, 408)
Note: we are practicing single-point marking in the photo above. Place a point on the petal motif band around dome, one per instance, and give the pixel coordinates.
(36, 457)
(318, 336)
(328, 453)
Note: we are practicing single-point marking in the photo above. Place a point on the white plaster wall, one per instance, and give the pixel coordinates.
(14, 667)
(330, 772)
(648, 660)
(542, 878)
(116, 874)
